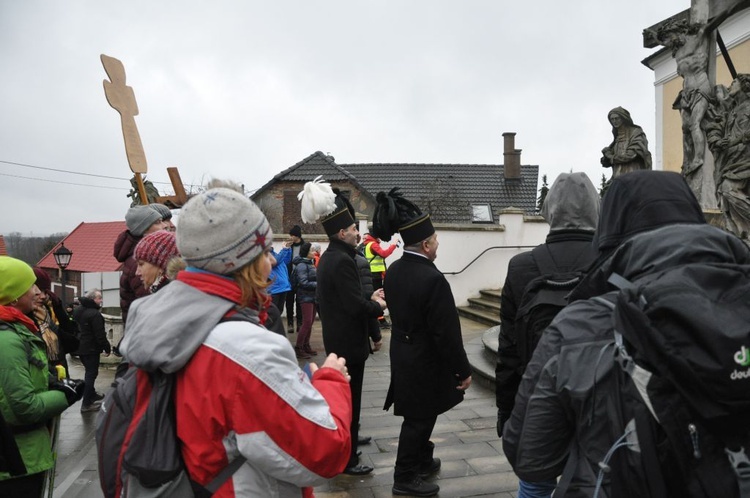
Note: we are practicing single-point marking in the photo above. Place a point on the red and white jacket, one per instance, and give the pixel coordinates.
(240, 391)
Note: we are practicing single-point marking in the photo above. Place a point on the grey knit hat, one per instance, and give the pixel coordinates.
(139, 218)
(221, 231)
(164, 211)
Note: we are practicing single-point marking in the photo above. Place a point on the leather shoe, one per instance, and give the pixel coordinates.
(415, 487)
(428, 470)
(363, 440)
(358, 470)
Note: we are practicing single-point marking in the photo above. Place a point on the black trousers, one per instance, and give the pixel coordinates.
(414, 447)
(24, 486)
(357, 374)
(292, 306)
(91, 364)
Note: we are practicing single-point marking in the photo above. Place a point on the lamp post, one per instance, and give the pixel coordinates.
(62, 258)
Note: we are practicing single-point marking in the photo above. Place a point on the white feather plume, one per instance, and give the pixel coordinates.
(317, 200)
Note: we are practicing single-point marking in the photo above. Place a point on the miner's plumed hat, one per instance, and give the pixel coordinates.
(394, 213)
(321, 202)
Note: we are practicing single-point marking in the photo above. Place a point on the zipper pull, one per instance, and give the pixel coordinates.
(693, 430)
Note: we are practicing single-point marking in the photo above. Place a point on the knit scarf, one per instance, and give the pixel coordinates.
(10, 314)
(224, 287)
(48, 327)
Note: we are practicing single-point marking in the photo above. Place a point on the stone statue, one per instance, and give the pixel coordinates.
(629, 149)
(689, 44)
(727, 127)
(152, 193)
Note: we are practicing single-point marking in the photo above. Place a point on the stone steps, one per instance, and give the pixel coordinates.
(483, 309)
(482, 351)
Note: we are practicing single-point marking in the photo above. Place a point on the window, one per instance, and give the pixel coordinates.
(481, 213)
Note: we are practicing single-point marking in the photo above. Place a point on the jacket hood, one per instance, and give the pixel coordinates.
(666, 247)
(641, 201)
(125, 245)
(572, 203)
(165, 329)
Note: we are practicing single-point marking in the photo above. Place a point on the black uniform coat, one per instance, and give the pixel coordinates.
(343, 309)
(427, 351)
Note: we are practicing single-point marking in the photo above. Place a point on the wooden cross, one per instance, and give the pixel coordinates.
(122, 98)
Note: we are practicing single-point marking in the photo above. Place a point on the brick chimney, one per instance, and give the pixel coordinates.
(511, 158)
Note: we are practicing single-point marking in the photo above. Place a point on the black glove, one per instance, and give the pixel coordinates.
(73, 389)
(502, 417)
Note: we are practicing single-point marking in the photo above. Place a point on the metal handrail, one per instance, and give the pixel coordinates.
(481, 254)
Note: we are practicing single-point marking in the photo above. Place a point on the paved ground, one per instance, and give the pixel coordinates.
(465, 439)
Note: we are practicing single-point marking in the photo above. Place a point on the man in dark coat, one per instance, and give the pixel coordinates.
(572, 210)
(344, 311)
(93, 343)
(429, 367)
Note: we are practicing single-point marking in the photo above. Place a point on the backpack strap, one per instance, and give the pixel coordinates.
(227, 472)
(741, 466)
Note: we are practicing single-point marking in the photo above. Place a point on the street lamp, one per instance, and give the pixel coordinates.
(62, 258)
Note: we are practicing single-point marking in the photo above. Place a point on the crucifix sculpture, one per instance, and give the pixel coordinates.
(692, 41)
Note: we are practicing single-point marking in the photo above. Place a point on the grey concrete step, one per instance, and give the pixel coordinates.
(482, 355)
(478, 315)
(484, 304)
(493, 294)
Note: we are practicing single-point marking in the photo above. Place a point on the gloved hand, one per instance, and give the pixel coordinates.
(502, 417)
(73, 389)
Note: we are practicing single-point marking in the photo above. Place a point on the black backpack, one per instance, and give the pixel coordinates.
(542, 300)
(680, 421)
(136, 440)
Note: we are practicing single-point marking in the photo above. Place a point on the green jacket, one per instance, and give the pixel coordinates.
(25, 399)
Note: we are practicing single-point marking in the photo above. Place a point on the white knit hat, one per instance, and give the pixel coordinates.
(221, 231)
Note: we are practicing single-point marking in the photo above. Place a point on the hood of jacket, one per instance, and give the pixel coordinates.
(125, 245)
(572, 203)
(165, 329)
(651, 221)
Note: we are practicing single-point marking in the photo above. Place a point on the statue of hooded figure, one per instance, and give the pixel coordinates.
(629, 149)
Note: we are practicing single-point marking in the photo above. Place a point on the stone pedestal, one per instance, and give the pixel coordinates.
(114, 328)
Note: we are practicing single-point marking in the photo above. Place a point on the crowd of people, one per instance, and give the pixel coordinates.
(203, 300)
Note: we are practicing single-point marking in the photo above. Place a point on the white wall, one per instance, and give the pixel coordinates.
(108, 282)
(460, 244)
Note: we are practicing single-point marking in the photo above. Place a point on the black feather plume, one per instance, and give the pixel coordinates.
(392, 211)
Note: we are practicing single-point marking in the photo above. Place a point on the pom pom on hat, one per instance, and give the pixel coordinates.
(140, 218)
(157, 248)
(221, 231)
(16, 278)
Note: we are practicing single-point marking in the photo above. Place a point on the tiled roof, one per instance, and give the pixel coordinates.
(453, 188)
(93, 248)
(445, 190)
(314, 165)
(3, 250)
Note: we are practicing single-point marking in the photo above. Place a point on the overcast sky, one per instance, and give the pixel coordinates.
(245, 89)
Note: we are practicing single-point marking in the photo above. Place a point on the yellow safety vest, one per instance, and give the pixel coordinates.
(377, 263)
